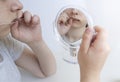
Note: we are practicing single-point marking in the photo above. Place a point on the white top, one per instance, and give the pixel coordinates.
(10, 50)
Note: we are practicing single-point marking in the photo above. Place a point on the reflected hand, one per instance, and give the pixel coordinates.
(64, 24)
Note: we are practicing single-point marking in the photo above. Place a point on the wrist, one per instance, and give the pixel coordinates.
(35, 43)
(89, 76)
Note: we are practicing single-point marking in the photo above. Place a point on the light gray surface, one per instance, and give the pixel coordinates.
(104, 12)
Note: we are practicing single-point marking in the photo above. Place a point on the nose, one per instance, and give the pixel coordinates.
(16, 6)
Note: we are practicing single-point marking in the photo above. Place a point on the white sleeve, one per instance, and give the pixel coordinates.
(15, 47)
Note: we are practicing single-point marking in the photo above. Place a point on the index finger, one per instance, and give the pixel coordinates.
(100, 36)
(101, 33)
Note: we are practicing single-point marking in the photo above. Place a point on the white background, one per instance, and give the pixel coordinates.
(104, 12)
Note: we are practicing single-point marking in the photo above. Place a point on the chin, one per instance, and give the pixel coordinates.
(76, 26)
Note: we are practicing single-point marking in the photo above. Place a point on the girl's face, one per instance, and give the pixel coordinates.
(9, 10)
(71, 24)
(77, 18)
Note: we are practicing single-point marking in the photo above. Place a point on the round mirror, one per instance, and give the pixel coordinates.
(70, 24)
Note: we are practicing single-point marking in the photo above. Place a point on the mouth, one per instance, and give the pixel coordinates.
(76, 20)
(16, 19)
(8, 23)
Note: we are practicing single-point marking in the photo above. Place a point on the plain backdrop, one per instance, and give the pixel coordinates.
(105, 13)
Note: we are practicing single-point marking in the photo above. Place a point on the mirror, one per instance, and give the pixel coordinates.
(70, 25)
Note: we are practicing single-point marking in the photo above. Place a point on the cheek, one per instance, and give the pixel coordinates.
(2, 18)
(6, 17)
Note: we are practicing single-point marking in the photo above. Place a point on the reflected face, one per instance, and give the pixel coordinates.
(71, 24)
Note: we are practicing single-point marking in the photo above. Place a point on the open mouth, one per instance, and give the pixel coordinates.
(76, 20)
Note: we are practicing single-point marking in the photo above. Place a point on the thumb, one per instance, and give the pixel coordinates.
(86, 40)
(14, 29)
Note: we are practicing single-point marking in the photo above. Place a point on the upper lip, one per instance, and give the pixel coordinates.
(17, 16)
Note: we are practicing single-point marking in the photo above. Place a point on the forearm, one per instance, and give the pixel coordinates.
(86, 76)
(45, 57)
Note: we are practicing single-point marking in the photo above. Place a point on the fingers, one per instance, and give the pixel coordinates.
(101, 33)
(86, 40)
(100, 37)
(14, 28)
(64, 23)
(35, 20)
(63, 19)
(28, 19)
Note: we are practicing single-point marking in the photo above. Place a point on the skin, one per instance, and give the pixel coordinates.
(72, 24)
(94, 49)
(26, 28)
(91, 57)
(93, 54)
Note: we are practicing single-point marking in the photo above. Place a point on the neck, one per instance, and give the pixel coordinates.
(4, 31)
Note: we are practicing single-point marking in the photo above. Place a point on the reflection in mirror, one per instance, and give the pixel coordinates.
(71, 23)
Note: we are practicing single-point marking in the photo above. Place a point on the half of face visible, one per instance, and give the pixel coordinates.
(9, 10)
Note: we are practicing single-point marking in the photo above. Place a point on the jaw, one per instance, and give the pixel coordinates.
(4, 32)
